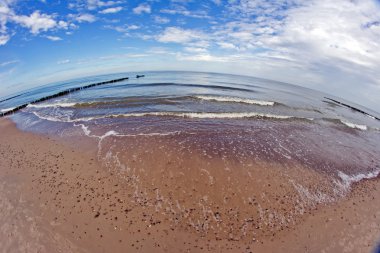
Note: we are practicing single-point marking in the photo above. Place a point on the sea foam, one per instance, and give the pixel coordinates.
(7, 109)
(236, 100)
(52, 105)
(355, 126)
(51, 118)
(195, 115)
(199, 115)
(209, 115)
(347, 180)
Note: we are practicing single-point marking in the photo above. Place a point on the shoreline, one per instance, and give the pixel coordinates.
(66, 195)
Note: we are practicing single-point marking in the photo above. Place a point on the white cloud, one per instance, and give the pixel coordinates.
(111, 10)
(133, 27)
(94, 4)
(122, 56)
(260, 8)
(179, 35)
(63, 61)
(227, 45)
(120, 29)
(36, 22)
(160, 50)
(53, 38)
(195, 49)
(181, 10)
(145, 36)
(63, 24)
(85, 17)
(142, 8)
(5, 12)
(4, 38)
(345, 36)
(217, 2)
(202, 57)
(3, 64)
(123, 28)
(161, 20)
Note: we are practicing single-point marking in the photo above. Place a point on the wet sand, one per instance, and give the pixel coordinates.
(57, 197)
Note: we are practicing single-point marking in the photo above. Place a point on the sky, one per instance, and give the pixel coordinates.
(331, 46)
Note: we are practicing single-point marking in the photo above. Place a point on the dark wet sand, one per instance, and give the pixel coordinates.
(56, 197)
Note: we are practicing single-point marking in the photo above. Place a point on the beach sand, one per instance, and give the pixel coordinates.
(58, 197)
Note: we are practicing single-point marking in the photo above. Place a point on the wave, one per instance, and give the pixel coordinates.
(372, 117)
(87, 132)
(52, 105)
(235, 100)
(130, 101)
(54, 119)
(196, 115)
(354, 126)
(348, 180)
(207, 115)
(149, 100)
(7, 109)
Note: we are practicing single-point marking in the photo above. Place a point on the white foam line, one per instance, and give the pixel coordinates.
(87, 132)
(310, 196)
(235, 100)
(52, 118)
(372, 117)
(207, 115)
(51, 105)
(156, 134)
(199, 115)
(355, 126)
(7, 109)
(348, 180)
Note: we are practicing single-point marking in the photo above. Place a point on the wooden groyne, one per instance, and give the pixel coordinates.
(59, 94)
(352, 108)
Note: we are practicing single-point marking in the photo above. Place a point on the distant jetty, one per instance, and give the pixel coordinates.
(59, 94)
(352, 108)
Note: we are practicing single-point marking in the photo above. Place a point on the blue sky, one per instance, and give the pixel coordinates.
(332, 46)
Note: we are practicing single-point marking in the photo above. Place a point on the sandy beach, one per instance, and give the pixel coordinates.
(58, 197)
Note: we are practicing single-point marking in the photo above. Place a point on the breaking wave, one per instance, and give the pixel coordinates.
(7, 109)
(150, 100)
(347, 180)
(196, 115)
(52, 105)
(355, 126)
(235, 100)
